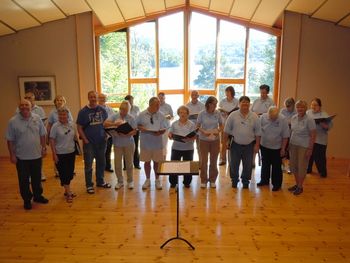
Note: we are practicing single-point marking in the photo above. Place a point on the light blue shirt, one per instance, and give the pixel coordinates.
(25, 135)
(64, 135)
(166, 109)
(228, 105)
(108, 109)
(195, 108)
(119, 140)
(182, 129)
(260, 106)
(149, 141)
(287, 114)
(321, 133)
(273, 131)
(209, 121)
(53, 117)
(134, 111)
(243, 129)
(301, 128)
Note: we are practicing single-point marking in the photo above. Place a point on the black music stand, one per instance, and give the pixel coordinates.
(194, 168)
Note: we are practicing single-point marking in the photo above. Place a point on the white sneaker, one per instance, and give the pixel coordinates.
(43, 178)
(131, 185)
(146, 184)
(203, 185)
(118, 186)
(212, 185)
(159, 184)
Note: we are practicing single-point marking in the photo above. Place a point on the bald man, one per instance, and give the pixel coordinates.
(25, 137)
(274, 137)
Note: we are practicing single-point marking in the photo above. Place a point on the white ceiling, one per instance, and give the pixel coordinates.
(16, 15)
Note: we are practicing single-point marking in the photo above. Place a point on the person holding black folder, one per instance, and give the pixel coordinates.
(226, 106)
(123, 142)
(183, 132)
(323, 125)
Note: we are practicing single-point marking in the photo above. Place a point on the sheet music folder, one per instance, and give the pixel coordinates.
(180, 138)
(124, 128)
(327, 119)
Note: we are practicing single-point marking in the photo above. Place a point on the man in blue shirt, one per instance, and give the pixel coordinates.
(26, 144)
(91, 131)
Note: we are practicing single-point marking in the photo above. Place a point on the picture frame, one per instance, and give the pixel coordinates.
(43, 87)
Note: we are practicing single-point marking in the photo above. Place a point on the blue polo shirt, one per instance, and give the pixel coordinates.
(243, 129)
(182, 129)
(25, 135)
(91, 120)
(301, 128)
(64, 135)
(260, 106)
(209, 121)
(123, 141)
(273, 131)
(149, 141)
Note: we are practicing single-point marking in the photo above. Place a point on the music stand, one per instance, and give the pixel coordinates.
(193, 170)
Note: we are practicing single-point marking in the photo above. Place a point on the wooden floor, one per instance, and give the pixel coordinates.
(224, 224)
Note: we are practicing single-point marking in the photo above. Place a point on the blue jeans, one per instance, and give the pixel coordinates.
(245, 153)
(97, 152)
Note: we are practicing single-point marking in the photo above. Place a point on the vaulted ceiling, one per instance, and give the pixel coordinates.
(17, 15)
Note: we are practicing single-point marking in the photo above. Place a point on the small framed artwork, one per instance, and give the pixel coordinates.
(43, 88)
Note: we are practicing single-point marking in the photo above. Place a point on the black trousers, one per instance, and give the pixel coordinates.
(176, 155)
(108, 153)
(65, 166)
(319, 157)
(29, 169)
(271, 158)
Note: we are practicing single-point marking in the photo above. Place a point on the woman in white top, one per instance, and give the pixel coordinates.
(226, 106)
(62, 141)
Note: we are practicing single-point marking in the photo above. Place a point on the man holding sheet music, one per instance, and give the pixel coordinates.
(152, 125)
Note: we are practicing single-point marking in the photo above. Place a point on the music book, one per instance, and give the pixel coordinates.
(326, 119)
(180, 138)
(124, 128)
(77, 149)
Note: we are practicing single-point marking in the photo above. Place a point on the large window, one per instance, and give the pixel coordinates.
(171, 52)
(157, 56)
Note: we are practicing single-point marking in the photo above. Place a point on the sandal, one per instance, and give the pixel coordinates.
(104, 185)
(90, 190)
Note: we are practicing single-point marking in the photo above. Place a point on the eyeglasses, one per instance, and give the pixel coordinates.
(151, 119)
(67, 132)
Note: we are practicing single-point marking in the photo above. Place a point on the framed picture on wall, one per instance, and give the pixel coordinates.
(43, 88)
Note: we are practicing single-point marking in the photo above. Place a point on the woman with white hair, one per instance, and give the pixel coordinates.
(301, 145)
(124, 145)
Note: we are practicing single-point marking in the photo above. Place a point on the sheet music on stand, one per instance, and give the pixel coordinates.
(179, 167)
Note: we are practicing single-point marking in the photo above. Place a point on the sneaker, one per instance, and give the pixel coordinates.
(131, 185)
(212, 185)
(146, 184)
(27, 205)
(298, 191)
(41, 199)
(203, 185)
(118, 186)
(90, 190)
(43, 178)
(293, 188)
(159, 184)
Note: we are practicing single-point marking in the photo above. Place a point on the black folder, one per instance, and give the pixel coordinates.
(124, 128)
(326, 120)
(180, 138)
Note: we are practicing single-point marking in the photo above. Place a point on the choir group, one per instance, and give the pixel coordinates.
(232, 130)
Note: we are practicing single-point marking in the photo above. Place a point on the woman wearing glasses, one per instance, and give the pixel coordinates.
(62, 141)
